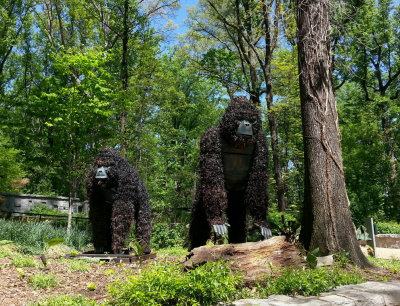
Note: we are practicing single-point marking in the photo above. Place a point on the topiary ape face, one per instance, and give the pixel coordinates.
(117, 197)
(233, 176)
(240, 123)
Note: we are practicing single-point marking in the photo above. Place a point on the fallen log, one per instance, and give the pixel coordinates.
(254, 260)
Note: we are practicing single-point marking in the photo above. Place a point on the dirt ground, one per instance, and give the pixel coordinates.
(15, 290)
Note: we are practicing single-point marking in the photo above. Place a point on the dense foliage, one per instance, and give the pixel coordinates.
(167, 284)
(168, 235)
(78, 75)
(388, 228)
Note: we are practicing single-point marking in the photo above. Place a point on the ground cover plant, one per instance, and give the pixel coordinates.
(21, 261)
(76, 265)
(308, 281)
(65, 300)
(168, 284)
(393, 265)
(43, 280)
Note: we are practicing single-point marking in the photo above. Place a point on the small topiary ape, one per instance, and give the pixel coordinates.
(233, 177)
(117, 196)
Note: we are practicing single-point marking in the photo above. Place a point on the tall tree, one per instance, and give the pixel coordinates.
(125, 27)
(327, 222)
(14, 14)
(367, 52)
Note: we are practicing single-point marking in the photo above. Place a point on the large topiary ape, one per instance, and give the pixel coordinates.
(233, 177)
(117, 197)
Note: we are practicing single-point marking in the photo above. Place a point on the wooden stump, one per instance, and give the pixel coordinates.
(252, 259)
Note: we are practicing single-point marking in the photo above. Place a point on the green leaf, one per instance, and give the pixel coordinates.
(312, 259)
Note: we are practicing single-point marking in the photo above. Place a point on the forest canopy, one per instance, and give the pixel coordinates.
(78, 75)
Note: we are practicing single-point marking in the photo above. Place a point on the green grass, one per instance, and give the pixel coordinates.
(65, 300)
(20, 261)
(43, 281)
(31, 237)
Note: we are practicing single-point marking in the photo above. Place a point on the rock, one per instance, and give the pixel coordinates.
(325, 261)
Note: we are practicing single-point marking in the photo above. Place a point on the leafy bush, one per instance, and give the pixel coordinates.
(167, 284)
(308, 282)
(42, 281)
(10, 165)
(388, 227)
(44, 210)
(65, 300)
(31, 237)
(168, 235)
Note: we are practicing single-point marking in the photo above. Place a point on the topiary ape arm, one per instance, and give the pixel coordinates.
(142, 217)
(257, 188)
(212, 183)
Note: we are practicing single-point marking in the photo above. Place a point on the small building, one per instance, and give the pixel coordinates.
(17, 203)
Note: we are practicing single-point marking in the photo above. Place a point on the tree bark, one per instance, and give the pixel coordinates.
(253, 259)
(70, 211)
(327, 222)
(124, 74)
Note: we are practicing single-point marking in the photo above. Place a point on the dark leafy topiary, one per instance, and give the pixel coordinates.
(222, 189)
(115, 202)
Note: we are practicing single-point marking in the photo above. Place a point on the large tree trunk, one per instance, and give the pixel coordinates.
(124, 75)
(327, 222)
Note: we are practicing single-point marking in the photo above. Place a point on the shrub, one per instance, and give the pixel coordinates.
(168, 235)
(388, 227)
(31, 237)
(10, 165)
(44, 210)
(167, 284)
(65, 300)
(42, 281)
(23, 261)
(308, 282)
